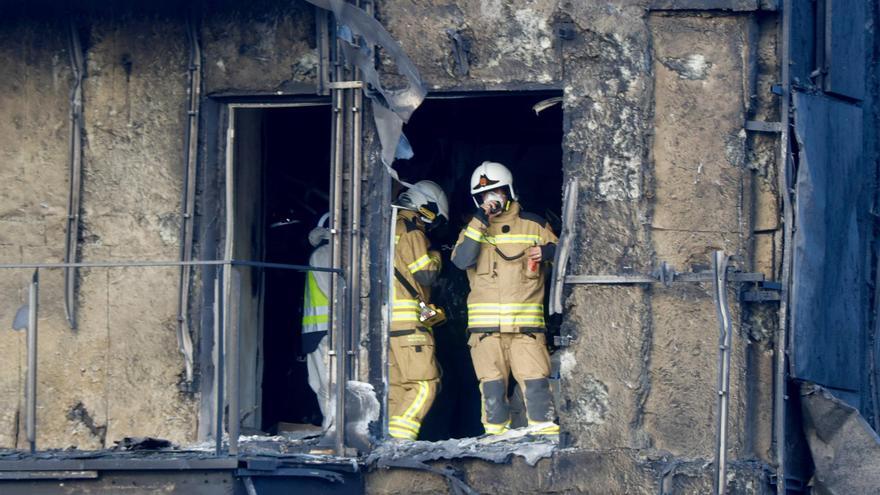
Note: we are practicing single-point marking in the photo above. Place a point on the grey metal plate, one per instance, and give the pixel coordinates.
(828, 279)
(845, 48)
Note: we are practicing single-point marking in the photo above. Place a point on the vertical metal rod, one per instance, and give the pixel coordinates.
(219, 358)
(230, 184)
(322, 23)
(389, 308)
(223, 273)
(75, 180)
(187, 202)
(781, 381)
(719, 282)
(233, 322)
(341, 365)
(337, 313)
(33, 302)
(354, 279)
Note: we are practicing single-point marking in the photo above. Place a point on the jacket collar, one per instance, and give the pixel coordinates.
(412, 217)
(509, 214)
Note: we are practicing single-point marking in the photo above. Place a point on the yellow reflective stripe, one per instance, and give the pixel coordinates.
(488, 311)
(405, 310)
(396, 238)
(550, 429)
(493, 429)
(512, 239)
(486, 321)
(492, 314)
(511, 305)
(497, 316)
(404, 317)
(402, 422)
(505, 318)
(315, 319)
(402, 427)
(318, 298)
(402, 434)
(472, 233)
(494, 322)
(420, 263)
(419, 401)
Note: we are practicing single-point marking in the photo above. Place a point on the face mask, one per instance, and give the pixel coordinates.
(496, 199)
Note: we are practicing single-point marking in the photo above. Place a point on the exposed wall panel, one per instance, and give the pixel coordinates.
(135, 94)
(699, 155)
(34, 88)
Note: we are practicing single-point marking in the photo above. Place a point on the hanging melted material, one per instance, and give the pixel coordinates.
(391, 107)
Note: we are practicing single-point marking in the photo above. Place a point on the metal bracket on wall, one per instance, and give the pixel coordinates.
(761, 126)
(763, 291)
(664, 275)
(562, 340)
(346, 85)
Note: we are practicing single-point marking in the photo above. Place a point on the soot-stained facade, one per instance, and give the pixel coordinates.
(673, 127)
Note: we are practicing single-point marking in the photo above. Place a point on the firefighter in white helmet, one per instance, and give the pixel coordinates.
(506, 252)
(413, 371)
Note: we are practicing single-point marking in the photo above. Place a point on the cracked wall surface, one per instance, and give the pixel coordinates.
(654, 106)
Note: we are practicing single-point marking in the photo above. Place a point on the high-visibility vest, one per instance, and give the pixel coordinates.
(316, 307)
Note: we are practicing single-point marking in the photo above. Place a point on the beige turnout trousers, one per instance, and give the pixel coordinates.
(495, 356)
(413, 381)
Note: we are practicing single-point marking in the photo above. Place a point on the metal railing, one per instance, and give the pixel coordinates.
(227, 301)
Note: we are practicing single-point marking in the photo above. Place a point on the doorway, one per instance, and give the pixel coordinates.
(451, 135)
(280, 189)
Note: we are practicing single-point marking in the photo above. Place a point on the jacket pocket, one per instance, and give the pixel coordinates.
(415, 356)
(528, 274)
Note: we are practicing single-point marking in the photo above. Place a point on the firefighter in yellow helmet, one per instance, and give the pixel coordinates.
(505, 252)
(413, 372)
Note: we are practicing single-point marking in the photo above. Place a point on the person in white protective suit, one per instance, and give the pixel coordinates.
(316, 322)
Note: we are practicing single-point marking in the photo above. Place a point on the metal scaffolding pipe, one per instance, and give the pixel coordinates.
(781, 376)
(71, 240)
(725, 333)
(338, 312)
(354, 251)
(218, 354)
(33, 303)
(233, 322)
(187, 202)
(160, 263)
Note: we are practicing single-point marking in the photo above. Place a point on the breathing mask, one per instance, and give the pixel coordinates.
(496, 200)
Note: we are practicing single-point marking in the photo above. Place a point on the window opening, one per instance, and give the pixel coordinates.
(451, 136)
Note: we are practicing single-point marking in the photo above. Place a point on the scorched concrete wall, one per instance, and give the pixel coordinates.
(655, 100)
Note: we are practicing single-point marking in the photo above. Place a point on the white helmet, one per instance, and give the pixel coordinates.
(488, 176)
(320, 233)
(428, 199)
